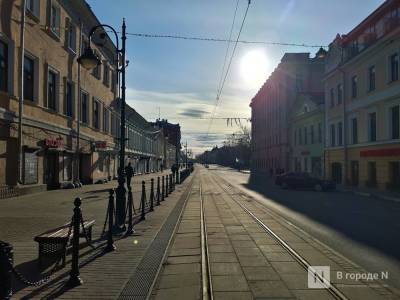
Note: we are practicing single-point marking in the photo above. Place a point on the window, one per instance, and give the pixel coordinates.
(67, 167)
(332, 94)
(3, 66)
(354, 131)
(30, 167)
(371, 78)
(106, 120)
(113, 80)
(372, 126)
(71, 36)
(32, 6)
(96, 114)
(339, 94)
(28, 78)
(333, 135)
(52, 90)
(312, 134)
(84, 108)
(55, 19)
(300, 137)
(305, 136)
(340, 134)
(354, 87)
(96, 70)
(69, 99)
(395, 122)
(394, 67)
(106, 75)
(319, 132)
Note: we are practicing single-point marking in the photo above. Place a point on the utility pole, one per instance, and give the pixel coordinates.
(21, 90)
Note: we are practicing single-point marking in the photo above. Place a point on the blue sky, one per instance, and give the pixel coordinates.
(180, 77)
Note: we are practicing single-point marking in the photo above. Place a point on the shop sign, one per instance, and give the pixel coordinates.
(380, 152)
(54, 142)
(101, 145)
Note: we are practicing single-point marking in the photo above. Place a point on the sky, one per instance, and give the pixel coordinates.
(178, 79)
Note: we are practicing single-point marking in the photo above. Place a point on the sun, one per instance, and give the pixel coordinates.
(253, 68)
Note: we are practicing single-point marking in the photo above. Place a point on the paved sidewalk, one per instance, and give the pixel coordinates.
(180, 276)
(370, 192)
(104, 274)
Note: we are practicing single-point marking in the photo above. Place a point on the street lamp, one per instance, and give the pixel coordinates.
(90, 60)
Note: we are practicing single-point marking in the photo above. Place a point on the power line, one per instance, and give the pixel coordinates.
(223, 67)
(229, 65)
(210, 39)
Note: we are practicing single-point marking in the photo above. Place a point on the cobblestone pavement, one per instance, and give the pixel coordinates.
(104, 275)
(244, 261)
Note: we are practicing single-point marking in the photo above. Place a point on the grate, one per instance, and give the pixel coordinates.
(140, 282)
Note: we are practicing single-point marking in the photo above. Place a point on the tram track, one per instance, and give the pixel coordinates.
(331, 288)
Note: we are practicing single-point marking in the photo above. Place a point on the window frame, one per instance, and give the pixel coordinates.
(6, 69)
(72, 84)
(87, 98)
(371, 83)
(71, 30)
(53, 29)
(393, 72)
(56, 88)
(372, 138)
(390, 119)
(96, 114)
(35, 11)
(354, 86)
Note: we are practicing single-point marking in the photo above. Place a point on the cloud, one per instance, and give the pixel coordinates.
(195, 113)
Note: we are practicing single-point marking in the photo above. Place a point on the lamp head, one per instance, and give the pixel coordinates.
(89, 60)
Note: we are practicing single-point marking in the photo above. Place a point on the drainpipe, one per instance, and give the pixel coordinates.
(345, 150)
(78, 123)
(21, 91)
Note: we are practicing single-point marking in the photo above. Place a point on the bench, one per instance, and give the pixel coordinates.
(51, 242)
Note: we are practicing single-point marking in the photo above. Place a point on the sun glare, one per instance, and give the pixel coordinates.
(254, 67)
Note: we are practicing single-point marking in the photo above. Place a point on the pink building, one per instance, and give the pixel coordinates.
(271, 107)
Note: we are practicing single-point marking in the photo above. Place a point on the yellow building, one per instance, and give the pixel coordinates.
(52, 90)
(362, 92)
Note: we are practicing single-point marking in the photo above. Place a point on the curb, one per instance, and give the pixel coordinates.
(374, 195)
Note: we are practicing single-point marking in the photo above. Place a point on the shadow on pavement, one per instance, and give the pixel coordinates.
(369, 221)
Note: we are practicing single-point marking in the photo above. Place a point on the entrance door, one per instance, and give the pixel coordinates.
(354, 172)
(51, 170)
(337, 172)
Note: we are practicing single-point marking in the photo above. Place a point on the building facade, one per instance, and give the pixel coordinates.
(71, 124)
(362, 91)
(307, 134)
(271, 109)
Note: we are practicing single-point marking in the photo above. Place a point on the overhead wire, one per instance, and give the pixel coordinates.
(228, 67)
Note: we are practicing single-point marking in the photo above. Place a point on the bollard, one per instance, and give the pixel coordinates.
(170, 183)
(143, 200)
(130, 206)
(173, 181)
(158, 190)
(152, 195)
(163, 189)
(177, 177)
(6, 264)
(166, 186)
(74, 279)
(110, 242)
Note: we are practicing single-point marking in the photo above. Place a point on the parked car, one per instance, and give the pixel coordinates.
(303, 180)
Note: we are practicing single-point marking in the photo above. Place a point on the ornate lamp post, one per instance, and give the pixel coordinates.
(89, 60)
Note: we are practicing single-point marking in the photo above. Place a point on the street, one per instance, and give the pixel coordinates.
(218, 228)
(364, 230)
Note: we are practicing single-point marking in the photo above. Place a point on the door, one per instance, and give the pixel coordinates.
(354, 172)
(51, 170)
(337, 172)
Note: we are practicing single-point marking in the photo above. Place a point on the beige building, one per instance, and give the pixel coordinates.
(56, 149)
(362, 92)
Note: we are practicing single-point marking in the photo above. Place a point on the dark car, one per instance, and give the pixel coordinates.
(303, 181)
